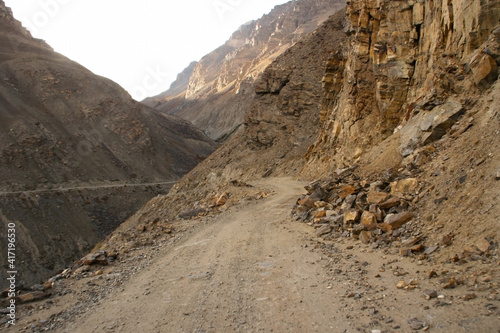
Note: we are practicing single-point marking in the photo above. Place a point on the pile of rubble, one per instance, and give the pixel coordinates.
(23, 295)
(210, 202)
(379, 213)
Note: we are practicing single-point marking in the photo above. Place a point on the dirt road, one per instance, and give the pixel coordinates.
(254, 269)
(90, 187)
(244, 272)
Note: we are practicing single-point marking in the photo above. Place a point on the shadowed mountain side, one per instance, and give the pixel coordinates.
(60, 123)
(61, 126)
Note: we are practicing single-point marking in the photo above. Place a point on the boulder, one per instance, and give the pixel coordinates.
(322, 204)
(484, 70)
(483, 245)
(96, 258)
(369, 220)
(398, 220)
(320, 214)
(392, 202)
(310, 200)
(323, 230)
(348, 190)
(429, 126)
(375, 197)
(379, 215)
(352, 216)
(384, 227)
(336, 220)
(32, 297)
(404, 186)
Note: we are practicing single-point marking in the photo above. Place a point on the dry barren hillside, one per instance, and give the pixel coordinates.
(64, 132)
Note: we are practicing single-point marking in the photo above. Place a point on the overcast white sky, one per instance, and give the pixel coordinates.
(142, 45)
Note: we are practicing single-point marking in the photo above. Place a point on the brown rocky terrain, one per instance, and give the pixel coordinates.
(221, 87)
(62, 127)
(394, 227)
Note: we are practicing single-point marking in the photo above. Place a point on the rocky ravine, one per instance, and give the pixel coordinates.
(62, 127)
(402, 218)
(221, 86)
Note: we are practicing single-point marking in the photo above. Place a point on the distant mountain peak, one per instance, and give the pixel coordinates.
(213, 98)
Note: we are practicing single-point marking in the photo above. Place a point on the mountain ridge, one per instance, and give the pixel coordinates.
(220, 88)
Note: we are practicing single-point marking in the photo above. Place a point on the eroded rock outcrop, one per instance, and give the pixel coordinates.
(406, 58)
(282, 121)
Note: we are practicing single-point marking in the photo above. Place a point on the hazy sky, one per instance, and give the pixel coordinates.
(142, 45)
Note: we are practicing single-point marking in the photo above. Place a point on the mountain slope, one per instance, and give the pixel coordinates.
(63, 127)
(220, 90)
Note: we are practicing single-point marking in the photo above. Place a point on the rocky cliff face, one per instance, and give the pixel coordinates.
(406, 58)
(63, 128)
(220, 89)
(283, 119)
(177, 90)
(413, 99)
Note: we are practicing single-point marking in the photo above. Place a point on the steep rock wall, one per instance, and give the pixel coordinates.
(405, 57)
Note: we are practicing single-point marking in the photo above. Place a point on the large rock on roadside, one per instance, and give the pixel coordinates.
(404, 186)
(484, 70)
(352, 216)
(96, 258)
(32, 297)
(376, 197)
(369, 220)
(392, 202)
(323, 230)
(398, 220)
(429, 126)
(310, 200)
